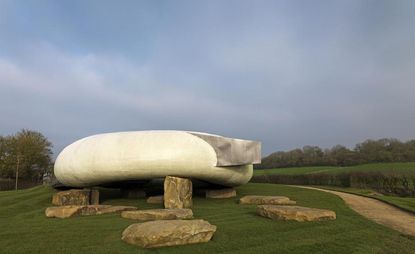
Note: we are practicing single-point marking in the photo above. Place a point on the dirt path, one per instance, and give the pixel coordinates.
(377, 211)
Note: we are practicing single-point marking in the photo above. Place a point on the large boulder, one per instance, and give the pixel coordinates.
(266, 200)
(155, 199)
(158, 214)
(72, 197)
(177, 192)
(297, 213)
(155, 234)
(72, 211)
(220, 193)
(63, 211)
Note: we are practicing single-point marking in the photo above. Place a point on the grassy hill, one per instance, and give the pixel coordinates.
(398, 167)
(25, 229)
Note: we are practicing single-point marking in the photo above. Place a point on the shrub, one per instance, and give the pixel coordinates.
(388, 182)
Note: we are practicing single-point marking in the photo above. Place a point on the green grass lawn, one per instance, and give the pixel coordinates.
(399, 167)
(25, 229)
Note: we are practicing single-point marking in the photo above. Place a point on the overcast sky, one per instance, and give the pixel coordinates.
(287, 73)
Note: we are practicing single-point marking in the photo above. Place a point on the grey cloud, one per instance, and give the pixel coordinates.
(289, 75)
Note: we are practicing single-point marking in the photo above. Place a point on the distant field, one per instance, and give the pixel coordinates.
(25, 229)
(399, 167)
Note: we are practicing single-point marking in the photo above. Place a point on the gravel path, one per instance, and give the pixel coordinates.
(377, 211)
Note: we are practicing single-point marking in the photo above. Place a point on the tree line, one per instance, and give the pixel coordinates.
(25, 155)
(369, 151)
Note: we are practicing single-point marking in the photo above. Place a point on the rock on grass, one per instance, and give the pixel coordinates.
(155, 234)
(297, 213)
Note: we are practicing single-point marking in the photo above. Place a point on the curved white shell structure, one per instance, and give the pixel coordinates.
(141, 155)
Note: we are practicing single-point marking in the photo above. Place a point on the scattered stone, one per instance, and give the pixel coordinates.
(266, 200)
(133, 193)
(94, 197)
(72, 211)
(158, 214)
(298, 213)
(154, 234)
(104, 209)
(177, 192)
(71, 197)
(63, 211)
(155, 199)
(221, 193)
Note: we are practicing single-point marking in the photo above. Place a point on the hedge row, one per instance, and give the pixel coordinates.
(388, 183)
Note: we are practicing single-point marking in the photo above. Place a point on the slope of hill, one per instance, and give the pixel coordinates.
(25, 229)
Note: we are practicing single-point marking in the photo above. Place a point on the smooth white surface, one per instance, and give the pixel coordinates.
(137, 155)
